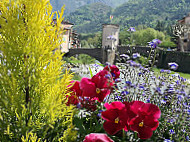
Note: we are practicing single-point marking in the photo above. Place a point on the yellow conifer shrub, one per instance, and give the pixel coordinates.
(32, 90)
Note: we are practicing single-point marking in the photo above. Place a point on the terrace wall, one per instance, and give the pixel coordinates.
(165, 57)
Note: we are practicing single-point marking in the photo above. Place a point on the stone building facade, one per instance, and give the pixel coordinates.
(69, 37)
(184, 40)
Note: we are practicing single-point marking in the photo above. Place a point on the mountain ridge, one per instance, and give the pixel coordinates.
(72, 5)
(131, 13)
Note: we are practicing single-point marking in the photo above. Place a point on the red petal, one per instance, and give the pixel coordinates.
(151, 122)
(113, 69)
(100, 80)
(103, 94)
(97, 137)
(135, 121)
(76, 88)
(151, 109)
(144, 132)
(115, 105)
(110, 115)
(112, 128)
(88, 87)
(135, 106)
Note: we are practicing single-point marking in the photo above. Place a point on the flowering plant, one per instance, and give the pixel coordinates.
(129, 102)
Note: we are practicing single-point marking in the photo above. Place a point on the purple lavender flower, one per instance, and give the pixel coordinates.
(118, 98)
(163, 83)
(154, 43)
(141, 87)
(158, 90)
(187, 138)
(163, 102)
(180, 97)
(131, 29)
(123, 93)
(108, 76)
(167, 140)
(172, 120)
(171, 131)
(128, 83)
(173, 65)
(118, 80)
(96, 65)
(148, 100)
(99, 113)
(125, 56)
(165, 71)
(136, 55)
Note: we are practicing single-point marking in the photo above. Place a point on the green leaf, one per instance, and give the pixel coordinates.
(100, 64)
(90, 72)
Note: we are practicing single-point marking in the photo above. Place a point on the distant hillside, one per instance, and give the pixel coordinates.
(147, 12)
(72, 5)
(90, 18)
(134, 12)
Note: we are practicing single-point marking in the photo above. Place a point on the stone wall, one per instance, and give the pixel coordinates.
(181, 58)
(97, 53)
(165, 57)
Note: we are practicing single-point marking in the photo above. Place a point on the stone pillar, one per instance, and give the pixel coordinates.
(110, 41)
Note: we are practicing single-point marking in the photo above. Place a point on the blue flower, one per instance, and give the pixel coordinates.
(154, 43)
(165, 71)
(117, 80)
(163, 101)
(167, 140)
(131, 29)
(172, 120)
(180, 97)
(158, 90)
(148, 100)
(141, 87)
(128, 83)
(171, 131)
(100, 113)
(123, 93)
(187, 138)
(118, 98)
(125, 56)
(173, 65)
(136, 55)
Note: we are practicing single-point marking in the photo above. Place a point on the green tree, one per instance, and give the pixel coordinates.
(32, 95)
(142, 37)
(95, 41)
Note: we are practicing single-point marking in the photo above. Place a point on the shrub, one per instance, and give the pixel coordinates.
(32, 95)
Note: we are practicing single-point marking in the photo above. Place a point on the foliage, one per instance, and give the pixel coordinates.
(80, 59)
(147, 12)
(32, 97)
(91, 21)
(142, 37)
(72, 5)
(168, 43)
(170, 92)
(159, 14)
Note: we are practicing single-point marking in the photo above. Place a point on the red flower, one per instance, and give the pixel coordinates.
(115, 116)
(96, 137)
(88, 103)
(96, 87)
(75, 93)
(73, 99)
(76, 88)
(145, 121)
(114, 71)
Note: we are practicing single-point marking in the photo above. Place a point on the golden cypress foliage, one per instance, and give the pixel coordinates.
(32, 89)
